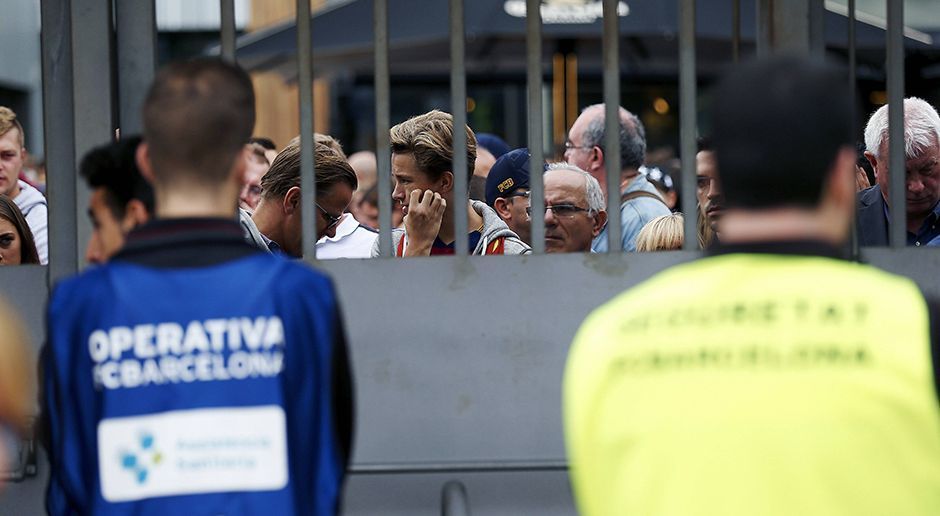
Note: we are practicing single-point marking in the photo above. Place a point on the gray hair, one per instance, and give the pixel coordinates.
(921, 128)
(632, 136)
(592, 189)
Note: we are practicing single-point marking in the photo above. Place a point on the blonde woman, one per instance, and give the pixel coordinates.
(16, 382)
(664, 233)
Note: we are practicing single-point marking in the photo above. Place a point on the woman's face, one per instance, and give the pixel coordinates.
(9, 243)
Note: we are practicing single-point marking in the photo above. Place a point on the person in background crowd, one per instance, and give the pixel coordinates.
(667, 187)
(507, 191)
(121, 199)
(493, 144)
(255, 167)
(270, 149)
(365, 165)
(17, 383)
(369, 209)
(422, 165)
(164, 349)
(708, 193)
(772, 377)
(575, 210)
(16, 239)
(662, 234)
(640, 201)
(278, 217)
(477, 185)
(922, 179)
(30, 201)
(325, 139)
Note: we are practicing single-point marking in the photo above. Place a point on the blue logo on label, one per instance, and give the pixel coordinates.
(145, 457)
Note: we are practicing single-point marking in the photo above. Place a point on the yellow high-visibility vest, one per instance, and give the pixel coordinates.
(756, 384)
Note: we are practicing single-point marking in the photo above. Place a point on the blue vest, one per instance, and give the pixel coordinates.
(193, 391)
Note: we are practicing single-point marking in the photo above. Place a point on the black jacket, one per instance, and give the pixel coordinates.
(870, 217)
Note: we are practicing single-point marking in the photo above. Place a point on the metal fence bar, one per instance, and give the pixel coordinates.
(611, 56)
(59, 135)
(136, 30)
(897, 230)
(687, 120)
(853, 236)
(227, 32)
(736, 30)
(92, 90)
(308, 193)
(533, 38)
(764, 33)
(458, 102)
(816, 11)
(382, 125)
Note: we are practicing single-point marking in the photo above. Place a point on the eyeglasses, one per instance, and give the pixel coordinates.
(569, 145)
(519, 193)
(565, 211)
(332, 220)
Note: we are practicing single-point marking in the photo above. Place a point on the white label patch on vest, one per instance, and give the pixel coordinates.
(193, 452)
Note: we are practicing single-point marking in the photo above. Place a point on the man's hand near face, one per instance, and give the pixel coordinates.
(423, 221)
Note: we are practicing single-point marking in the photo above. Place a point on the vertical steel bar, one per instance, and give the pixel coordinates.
(458, 103)
(92, 94)
(611, 56)
(137, 59)
(735, 30)
(227, 32)
(533, 25)
(59, 135)
(897, 230)
(308, 185)
(853, 237)
(764, 34)
(816, 13)
(687, 119)
(382, 125)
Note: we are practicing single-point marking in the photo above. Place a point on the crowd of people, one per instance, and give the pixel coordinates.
(196, 200)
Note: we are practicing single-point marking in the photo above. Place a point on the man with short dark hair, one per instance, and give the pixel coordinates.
(707, 192)
(29, 200)
(640, 202)
(121, 199)
(771, 377)
(422, 165)
(507, 191)
(170, 387)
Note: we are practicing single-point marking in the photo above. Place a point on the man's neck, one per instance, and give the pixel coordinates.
(446, 233)
(195, 204)
(267, 222)
(626, 176)
(784, 224)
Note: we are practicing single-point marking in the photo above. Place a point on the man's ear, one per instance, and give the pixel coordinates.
(142, 156)
(599, 220)
(447, 182)
(501, 205)
(873, 161)
(291, 202)
(597, 158)
(135, 214)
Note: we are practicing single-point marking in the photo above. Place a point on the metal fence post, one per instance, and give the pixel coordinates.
(897, 230)
(533, 23)
(687, 120)
(308, 185)
(458, 102)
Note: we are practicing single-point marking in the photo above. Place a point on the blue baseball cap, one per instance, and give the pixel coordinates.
(509, 173)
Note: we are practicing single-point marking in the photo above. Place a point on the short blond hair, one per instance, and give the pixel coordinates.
(429, 138)
(8, 121)
(17, 381)
(664, 233)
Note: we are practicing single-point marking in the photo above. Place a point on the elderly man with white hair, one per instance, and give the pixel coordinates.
(574, 209)
(922, 176)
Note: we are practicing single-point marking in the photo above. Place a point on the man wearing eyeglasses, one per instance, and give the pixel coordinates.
(640, 201)
(574, 209)
(277, 219)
